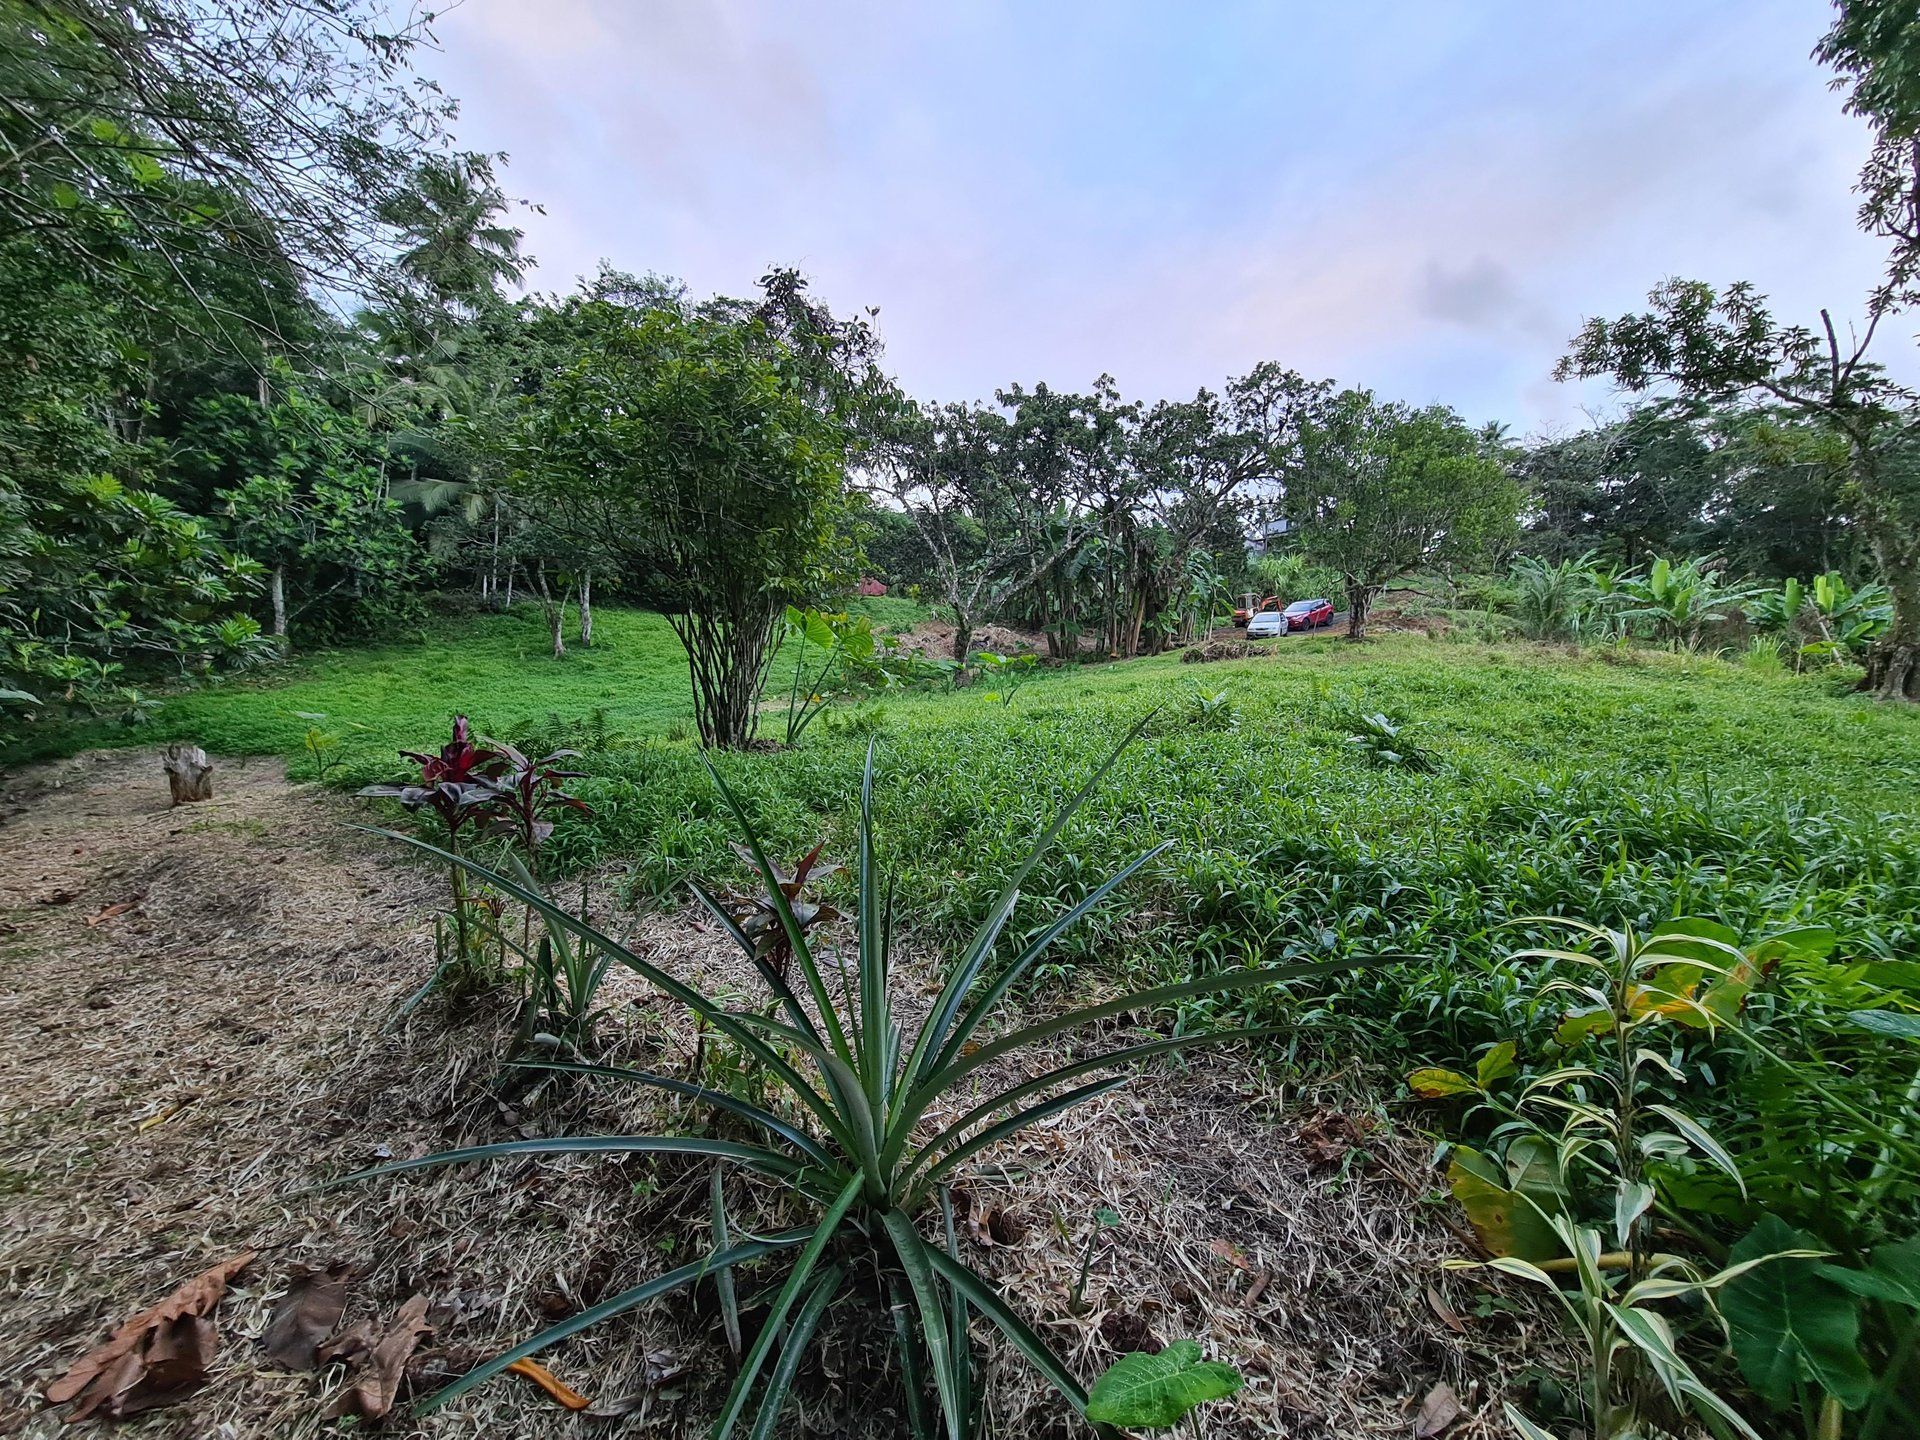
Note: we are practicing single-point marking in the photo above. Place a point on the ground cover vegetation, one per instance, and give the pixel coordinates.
(1597, 867)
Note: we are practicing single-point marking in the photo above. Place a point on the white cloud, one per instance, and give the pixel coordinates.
(1425, 202)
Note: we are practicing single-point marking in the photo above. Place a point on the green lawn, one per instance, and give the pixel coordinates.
(1626, 786)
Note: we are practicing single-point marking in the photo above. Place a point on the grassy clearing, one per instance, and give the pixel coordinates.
(494, 668)
(1621, 786)
(1624, 787)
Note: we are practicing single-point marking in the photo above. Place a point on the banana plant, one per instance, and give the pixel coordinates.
(1680, 602)
(848, 1138)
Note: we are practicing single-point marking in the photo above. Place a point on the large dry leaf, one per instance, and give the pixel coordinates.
(1437, 1412)
(350, 1346)
(306, 1315)
(376, 1384)
(159, 1356)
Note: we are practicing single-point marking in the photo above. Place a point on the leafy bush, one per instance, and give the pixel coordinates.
(1211, 710)
(1385, 741)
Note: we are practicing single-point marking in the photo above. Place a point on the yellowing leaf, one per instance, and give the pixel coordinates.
(545, 1379)
(1496, 1064)
(1436, 1084)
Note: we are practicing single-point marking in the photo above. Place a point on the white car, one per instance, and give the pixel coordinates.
(1266, 625)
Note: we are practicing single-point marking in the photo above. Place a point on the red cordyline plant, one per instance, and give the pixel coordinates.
(458, 786)
(490, 785)
(526, 792)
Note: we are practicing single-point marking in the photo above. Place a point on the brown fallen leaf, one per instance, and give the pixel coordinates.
(1232, 1254)
(349, 1346)
(1329, 1138)
(306, 1315)
(1126, 1333)
(119, 907)
(376, 1383)
(158, 1356)
(1448, 1316)
(1437, 1412)
(661, 1367)
(547, 1381)
(1005, 1227)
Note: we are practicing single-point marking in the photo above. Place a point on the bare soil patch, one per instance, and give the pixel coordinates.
(180, 1072)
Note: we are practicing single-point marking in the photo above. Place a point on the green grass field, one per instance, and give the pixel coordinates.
(1630, 785)
(1624, 787)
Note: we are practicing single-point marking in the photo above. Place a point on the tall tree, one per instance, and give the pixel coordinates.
(453, 244)
(1630, 489)
(1726, 349)
(690, 450)
(168, 127)
(1382, 490)
(1874, 49)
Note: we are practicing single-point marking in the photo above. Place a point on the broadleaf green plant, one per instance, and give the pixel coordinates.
(1595, 1123)
(1154, 1392)
(848, 1142)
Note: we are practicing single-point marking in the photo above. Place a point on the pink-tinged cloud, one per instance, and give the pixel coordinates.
(1422, 199)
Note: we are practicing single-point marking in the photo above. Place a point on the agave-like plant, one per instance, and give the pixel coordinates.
(855, 1143)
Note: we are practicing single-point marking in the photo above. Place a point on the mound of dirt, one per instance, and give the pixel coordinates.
(934, 640)
(1209, 650)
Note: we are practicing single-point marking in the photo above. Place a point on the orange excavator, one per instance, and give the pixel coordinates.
(1248, 608)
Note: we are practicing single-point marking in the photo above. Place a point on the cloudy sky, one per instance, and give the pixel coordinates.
(1421, 198)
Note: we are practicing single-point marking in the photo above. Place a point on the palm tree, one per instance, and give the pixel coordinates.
(456, 249)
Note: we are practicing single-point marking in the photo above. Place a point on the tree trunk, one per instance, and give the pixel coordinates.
(586, 609)
(962, 637)
(279, 593)
(1893, 664)
(512, 567)
(493, 560)
(1359, 602)
(727, 660)
(189, 773)
(556, 612)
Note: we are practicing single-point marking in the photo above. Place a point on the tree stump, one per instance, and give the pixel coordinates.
(189, 773)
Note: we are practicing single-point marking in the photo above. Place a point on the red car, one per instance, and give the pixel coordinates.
(1308, 614)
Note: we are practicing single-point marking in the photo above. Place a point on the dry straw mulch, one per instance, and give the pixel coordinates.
(195, 1028)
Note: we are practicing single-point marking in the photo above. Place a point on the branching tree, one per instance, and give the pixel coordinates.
(1382, 490)
(1207, 463)
(690, 450)
(165, 128)
(954, 471)
(1726, 349)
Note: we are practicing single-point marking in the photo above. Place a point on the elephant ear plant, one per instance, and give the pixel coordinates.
(850, 1139)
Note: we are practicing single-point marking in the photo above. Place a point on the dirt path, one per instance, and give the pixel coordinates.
(181, 988)
(194, 1027)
